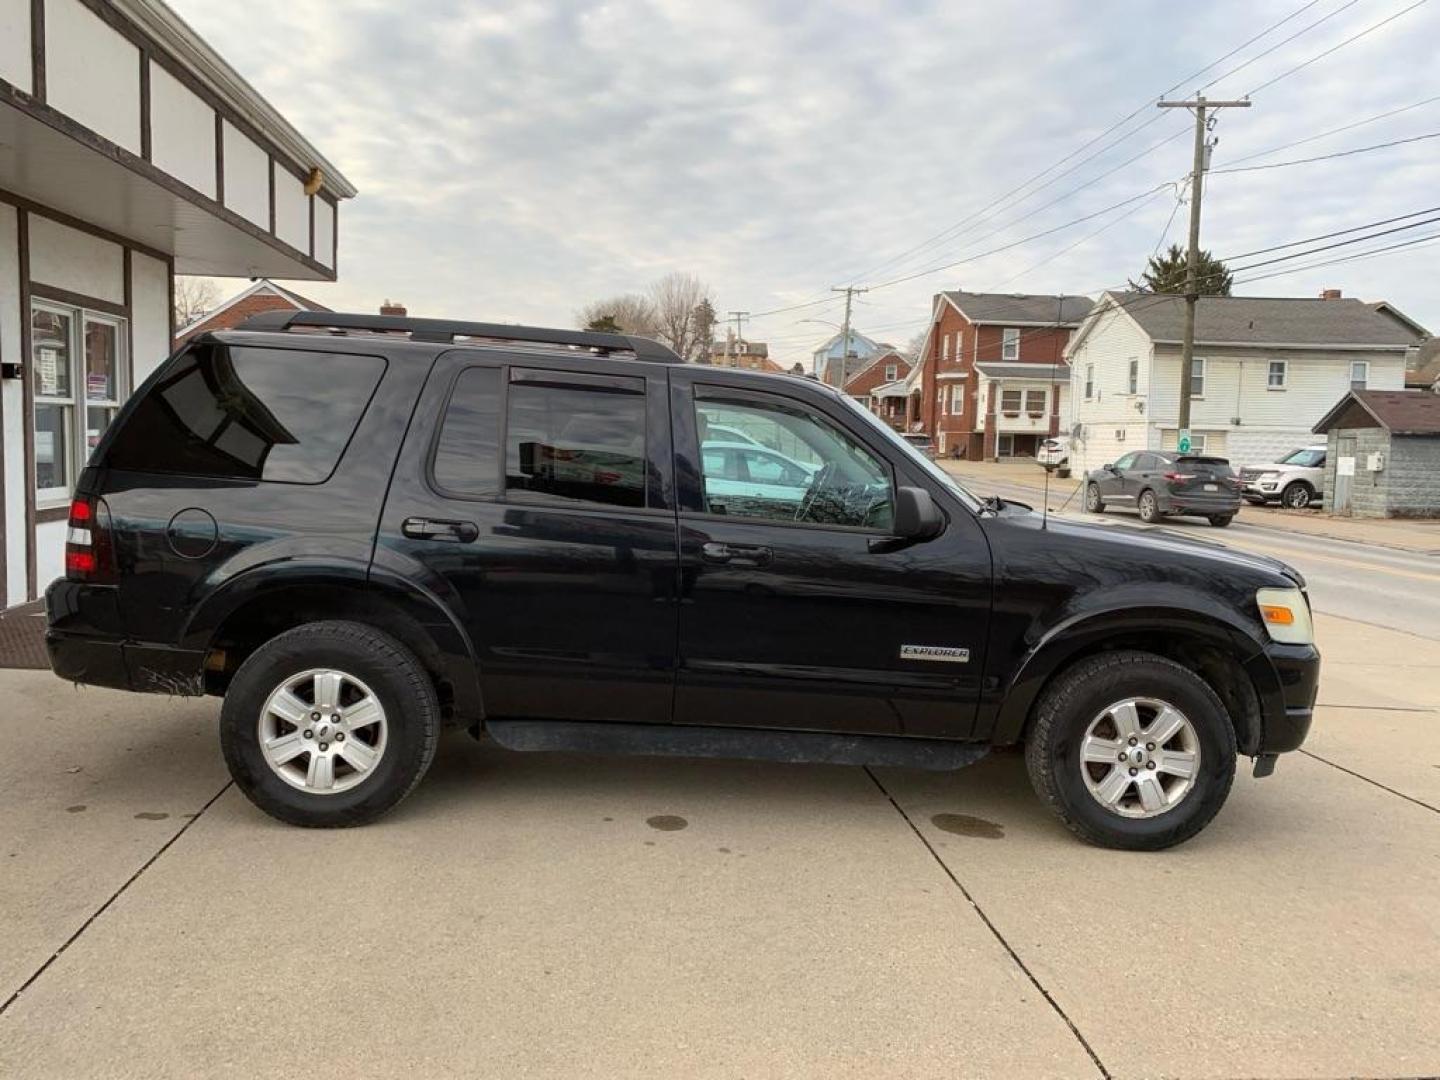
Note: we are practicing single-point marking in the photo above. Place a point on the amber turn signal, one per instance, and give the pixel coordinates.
(1276, 615)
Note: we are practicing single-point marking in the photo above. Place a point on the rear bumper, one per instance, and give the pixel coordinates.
(1200, 504)
(87, 644)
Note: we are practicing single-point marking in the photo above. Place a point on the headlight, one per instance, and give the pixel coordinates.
(1286, 616)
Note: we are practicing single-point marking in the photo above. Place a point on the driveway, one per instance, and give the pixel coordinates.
(561, 916)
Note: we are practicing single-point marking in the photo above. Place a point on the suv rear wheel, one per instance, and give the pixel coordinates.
(329, 724)
(1149, 507)
(1131, 750)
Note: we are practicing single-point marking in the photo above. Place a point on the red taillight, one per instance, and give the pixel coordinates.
(1176, 477)
(88, 554)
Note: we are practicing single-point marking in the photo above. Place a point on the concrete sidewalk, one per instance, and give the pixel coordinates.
(1419, 536)
(562, 916)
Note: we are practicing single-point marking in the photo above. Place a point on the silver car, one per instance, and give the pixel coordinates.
(1296, 481)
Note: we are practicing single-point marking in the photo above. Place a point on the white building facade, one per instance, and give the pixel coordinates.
(129, 152)
(1265, 371)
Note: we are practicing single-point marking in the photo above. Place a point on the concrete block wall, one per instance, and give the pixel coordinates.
(1413, 476)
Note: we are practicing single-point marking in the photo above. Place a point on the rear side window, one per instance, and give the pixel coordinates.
(576, 444)
(248, 414)
(467, 458)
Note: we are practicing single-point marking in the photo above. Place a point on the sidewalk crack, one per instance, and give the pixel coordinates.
(113, 897)
(1361, 776)
(1104, 1072)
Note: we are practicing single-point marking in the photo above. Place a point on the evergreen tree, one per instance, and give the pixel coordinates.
(1166, 274)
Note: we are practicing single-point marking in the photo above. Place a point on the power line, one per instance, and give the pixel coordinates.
(1337, 232)
(1280, 44)
(1414, 242)
(951, 230)
(1327, 157)
(1335, 131)
(1179, 201)
(1339, 243)
(1336, 48)
(1084, 239)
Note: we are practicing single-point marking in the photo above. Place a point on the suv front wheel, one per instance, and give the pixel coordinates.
(329, 724)
(1131, 750)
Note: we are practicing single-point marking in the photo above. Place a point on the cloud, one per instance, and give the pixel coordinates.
(517, 160)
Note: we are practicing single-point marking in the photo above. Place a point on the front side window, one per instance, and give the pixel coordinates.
(1035, 401)
(1197, 377)
(576, 444)
(1307, 459)
(957, 399)
(1359, 374)
(1132, 384)
(1089, 381)
(807, 471)
(1127, 461)
(1010, 402)
(248, 413)
(1010, 344)
(1275, 375)
(78, 363)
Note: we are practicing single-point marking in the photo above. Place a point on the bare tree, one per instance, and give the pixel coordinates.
(627, 314)
(194, 296)
(914, 345)
(685, 318)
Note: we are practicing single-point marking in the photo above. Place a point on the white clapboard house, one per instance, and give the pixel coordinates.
(1265, 371)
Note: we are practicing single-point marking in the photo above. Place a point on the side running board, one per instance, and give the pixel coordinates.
(788, 746)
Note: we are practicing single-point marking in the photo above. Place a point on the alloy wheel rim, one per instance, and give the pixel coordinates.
(1299, 499)
(323, 731)
(1140, 757)
(1092, 496)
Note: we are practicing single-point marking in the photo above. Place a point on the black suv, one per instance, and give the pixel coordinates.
(360, 529)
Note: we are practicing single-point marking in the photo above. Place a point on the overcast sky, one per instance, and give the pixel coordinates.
(517, 160)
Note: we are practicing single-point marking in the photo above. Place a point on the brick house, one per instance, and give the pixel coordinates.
(747, 355)
(992, 379)
(880, 385)
(263, 295)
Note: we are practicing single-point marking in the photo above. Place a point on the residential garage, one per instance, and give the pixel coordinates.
(129, 152)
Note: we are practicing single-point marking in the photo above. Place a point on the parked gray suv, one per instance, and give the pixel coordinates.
(1159, 483)
(1296, 481)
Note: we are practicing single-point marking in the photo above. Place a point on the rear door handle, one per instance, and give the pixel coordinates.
(455, 532)
(739, 554)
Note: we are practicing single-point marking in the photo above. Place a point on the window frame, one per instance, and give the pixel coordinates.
(1204, 365)
(716, 392)
(957, 398)
(1364, 381)
(1009, 343)
(892, 372)
(77, 402)
(1044, 393)
(1132, 379)
(1284, 383)
(1005, 410)
(1089, 382)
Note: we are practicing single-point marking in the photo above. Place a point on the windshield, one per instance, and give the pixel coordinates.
(1306, 458)
(914, 455)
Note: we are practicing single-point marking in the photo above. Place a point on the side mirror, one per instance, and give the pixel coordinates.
(1109, 466)
(916, 515)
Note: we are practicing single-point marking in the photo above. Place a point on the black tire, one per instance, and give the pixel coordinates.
(1297, 495)
(1093, 502)
(395, 677)
(1065, 711)
(1149, 507)
(1254, 501)
(1221, 520)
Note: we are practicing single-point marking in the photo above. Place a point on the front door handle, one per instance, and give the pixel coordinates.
(455, 532)
(739, 554)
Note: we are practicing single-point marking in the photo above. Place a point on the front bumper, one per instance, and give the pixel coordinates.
(1262, 489)
(1287, 678)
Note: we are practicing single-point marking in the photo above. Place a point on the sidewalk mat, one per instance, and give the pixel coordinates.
(22, 637)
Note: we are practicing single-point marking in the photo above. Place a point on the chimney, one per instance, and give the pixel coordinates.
(387, 308)
(1331, 294)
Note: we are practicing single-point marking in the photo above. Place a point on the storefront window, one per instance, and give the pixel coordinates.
(76, 363)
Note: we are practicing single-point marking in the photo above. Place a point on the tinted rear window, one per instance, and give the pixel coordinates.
(248, 414)
(467, 457)
(1219, 466)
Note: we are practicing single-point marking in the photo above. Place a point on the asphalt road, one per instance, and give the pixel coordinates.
(1366, 583)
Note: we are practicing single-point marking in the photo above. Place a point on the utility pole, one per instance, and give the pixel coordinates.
(1192, 263)
(849, 291)
(738, 318)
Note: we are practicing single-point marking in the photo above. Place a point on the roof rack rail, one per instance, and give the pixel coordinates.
(446, 330)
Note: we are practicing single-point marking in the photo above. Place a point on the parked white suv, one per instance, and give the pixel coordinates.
(1053, 452)
(1297, 480)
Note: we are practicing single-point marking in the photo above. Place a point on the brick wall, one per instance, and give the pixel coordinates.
(862, 384)
(1408, 486)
